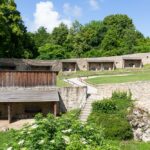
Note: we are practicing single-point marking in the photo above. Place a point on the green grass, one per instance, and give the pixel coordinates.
(134, 146)
(131, 77)
(131, 145)
(65, 75)
(62, 83)
(4, 138)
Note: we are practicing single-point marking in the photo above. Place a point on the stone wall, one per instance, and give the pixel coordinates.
(140, 122)
(72, 97)
(140, 92)
(22, 64)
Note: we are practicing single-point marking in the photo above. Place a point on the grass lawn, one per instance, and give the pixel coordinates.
(134, 145)
(131, 77)
(4, 138)
(131, 145)
(144, 71)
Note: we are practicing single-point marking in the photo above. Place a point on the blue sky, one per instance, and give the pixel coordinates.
(50, 13)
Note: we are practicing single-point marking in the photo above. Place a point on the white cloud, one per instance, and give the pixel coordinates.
(46, 16)
(74, 11)
(94, 4)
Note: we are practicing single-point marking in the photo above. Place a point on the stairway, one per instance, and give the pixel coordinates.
(86, 110)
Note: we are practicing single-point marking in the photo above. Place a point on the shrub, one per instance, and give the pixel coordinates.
(112, 115)
(55, 133)
(105, 106)
(121, 95)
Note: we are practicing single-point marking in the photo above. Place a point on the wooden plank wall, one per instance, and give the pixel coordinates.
(27, 78)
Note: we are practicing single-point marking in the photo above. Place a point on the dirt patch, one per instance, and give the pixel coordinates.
(4, 124)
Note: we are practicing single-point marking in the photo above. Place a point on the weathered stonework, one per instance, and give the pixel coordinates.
(140, 122)
(82, 63)
(140, 92)
(72, 97)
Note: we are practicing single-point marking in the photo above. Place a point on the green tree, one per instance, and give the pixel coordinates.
(13, 33)
(59, 34)
(51, 51)
(41, 37)
(121, 35)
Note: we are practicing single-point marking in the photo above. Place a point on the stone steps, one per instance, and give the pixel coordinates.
(85, 112)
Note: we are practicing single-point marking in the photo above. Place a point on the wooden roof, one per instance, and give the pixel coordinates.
(29, 95)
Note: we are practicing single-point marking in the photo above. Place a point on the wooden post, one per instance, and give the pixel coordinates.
(55, 108)
(9, 113)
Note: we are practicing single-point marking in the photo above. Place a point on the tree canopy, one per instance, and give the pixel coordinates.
(14, 39)
(114, 35)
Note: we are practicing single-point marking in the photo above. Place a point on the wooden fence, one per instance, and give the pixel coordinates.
(27, 78)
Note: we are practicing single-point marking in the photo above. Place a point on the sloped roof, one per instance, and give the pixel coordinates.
(29, 96)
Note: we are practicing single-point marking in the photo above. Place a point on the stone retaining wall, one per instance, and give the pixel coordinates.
(72, 97)
(140, 92)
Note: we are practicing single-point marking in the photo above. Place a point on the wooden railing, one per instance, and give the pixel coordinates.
(27, 78)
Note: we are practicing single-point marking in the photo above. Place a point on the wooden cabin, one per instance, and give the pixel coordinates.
(25, 93)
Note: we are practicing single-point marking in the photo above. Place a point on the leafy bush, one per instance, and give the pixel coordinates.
(112, 115)
(60, 133)
(121, 95)
(105, 106)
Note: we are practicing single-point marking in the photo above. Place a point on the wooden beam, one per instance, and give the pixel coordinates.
(55, 108)
(9, 113)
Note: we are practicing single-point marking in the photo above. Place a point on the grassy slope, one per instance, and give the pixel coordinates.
(139, 76)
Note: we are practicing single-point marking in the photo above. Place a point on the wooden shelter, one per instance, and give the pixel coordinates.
(69, 65)
(37, 65)
(132, 62)
(96, 65)
(24, 94)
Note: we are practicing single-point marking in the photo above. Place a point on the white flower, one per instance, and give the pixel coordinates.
(34, 126)
(41, 142)
(67, 139)
(83, 140)
(21, 142)
(67, 131)
(9, 148)
(52, 141)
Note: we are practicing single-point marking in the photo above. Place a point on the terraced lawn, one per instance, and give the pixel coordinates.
(138, 76)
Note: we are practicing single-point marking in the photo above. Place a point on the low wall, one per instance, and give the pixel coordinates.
(140, 92)
(72, 97)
